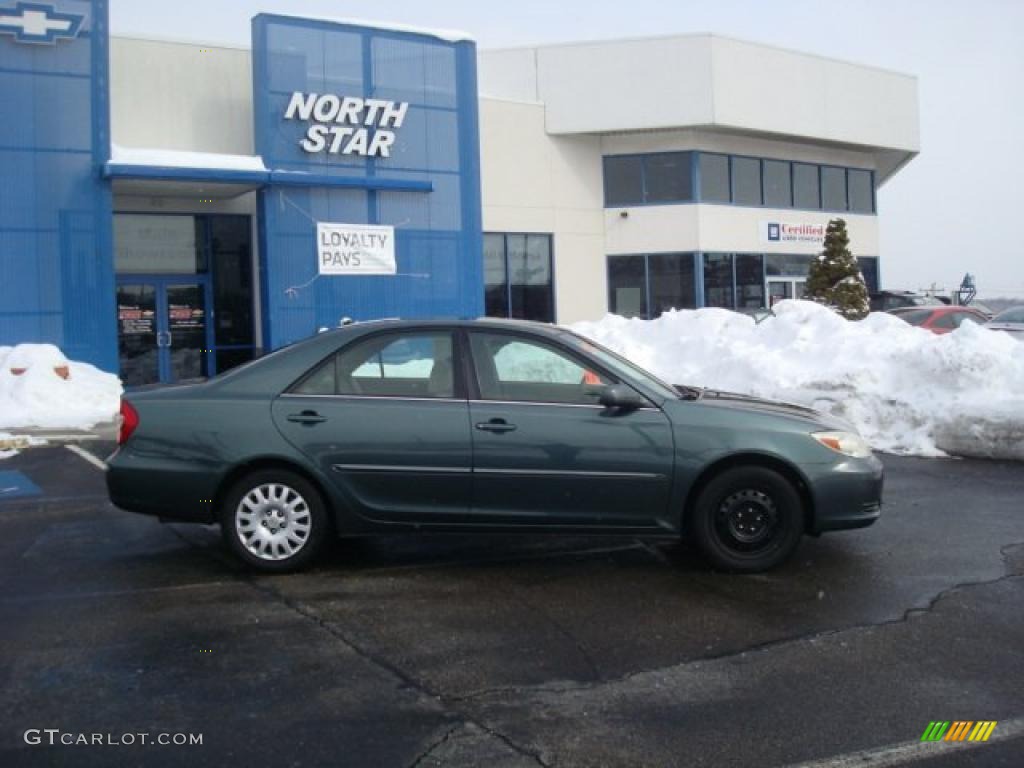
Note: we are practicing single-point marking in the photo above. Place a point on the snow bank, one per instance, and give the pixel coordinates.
(905, 389)
(41, 398)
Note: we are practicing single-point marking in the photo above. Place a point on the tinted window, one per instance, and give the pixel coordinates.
(672, 285)
(714, 178)
(786, 264)
(627, 286)
(749, 280)
(495, 278)
(231, 247)
(806, 193)
(529, 270)
(777, 190)
(746, 181)
(869, 269)
(320, 381)
(833, 189)
(667, 177)
(408, 365)
(718, 280)
(860, 191)
(623, 180)
(517, 369)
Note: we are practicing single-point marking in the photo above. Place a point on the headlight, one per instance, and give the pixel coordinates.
(846, 443)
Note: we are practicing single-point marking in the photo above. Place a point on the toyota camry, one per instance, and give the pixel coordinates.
(489, 426)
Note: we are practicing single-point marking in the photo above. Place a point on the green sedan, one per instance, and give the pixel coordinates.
(483, 425)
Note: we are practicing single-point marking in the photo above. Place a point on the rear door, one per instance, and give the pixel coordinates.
(386, 419)
(545, 452)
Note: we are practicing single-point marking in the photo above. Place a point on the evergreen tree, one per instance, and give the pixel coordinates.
(834, 278)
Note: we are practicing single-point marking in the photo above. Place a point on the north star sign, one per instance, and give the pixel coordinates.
(37, 23)
(347, 125)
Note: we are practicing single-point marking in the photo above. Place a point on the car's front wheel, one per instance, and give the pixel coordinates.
(747, 519)
(275, 520)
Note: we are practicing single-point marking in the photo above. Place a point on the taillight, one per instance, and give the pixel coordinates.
(129, 421)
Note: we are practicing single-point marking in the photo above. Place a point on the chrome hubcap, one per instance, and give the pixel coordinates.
(273, 521)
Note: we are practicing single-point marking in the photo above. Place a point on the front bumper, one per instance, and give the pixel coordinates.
(847, 494)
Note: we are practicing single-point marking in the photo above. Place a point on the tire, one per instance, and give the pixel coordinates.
(747, 520)
(275, 520)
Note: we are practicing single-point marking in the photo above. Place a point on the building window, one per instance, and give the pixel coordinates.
(777, 187)
(718, 280)
(518, 277)
(671, 281)
(749, 280)
(869, 269)
(667, 178)
(714, 178)
(627, 285)
(860, 191)
(786, 264)
(833, 188)
(806, 188)
(647, 285)
(746, 181)
(623, 180)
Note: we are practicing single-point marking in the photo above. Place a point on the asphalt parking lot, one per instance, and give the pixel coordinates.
(503, 652)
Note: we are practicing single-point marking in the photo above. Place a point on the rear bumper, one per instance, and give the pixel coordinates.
(847, 495)
(173, 492)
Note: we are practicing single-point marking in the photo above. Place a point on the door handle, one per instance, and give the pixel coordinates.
(306, 417)
(495, 425)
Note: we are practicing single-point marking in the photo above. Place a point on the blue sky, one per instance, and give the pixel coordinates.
(953, 209)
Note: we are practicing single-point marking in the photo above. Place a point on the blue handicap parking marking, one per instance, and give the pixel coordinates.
(15, 485)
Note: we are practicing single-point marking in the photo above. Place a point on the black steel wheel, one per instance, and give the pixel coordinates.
(747, 519)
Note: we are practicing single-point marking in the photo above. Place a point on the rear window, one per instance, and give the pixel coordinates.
(914, 316)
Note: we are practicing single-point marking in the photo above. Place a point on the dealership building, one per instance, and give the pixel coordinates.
(171, 209)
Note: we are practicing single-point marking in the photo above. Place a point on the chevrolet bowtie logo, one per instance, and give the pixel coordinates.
(36, 23)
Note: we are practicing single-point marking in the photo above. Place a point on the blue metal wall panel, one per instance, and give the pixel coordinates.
(438, 232)
(56, 262)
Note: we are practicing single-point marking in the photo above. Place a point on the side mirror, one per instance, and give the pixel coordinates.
(621, 396)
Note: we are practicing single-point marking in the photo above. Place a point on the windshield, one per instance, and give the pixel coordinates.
(614, 361)
(1013, 315)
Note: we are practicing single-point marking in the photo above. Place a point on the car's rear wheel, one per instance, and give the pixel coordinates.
(275, 520)
(747, 519)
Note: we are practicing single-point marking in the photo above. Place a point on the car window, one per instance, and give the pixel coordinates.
(518, 369)
(914, 316)
(395, 365)
(1015, 315)
(948, 320)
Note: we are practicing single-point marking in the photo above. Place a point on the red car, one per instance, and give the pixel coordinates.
(939, 319)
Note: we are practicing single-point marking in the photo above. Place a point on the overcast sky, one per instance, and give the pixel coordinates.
(955, 208)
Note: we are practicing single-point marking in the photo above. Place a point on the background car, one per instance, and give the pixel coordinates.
(1010, 320)
(940, 319)
(489, 426)
(886, 301)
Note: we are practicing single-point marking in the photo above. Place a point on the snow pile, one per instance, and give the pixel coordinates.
(40, 397)
(11, 444)
(905, 389)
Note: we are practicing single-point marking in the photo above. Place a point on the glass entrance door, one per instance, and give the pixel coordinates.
(163, 329)
(785, 288)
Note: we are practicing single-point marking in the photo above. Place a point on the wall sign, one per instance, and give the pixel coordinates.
(790, 232)
(347, 125)
(355, 249)
(39, 23)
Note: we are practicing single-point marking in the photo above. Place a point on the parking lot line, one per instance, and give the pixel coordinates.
(96, 462)
(913, 751)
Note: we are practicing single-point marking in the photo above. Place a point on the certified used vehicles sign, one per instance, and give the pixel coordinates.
(355, 249)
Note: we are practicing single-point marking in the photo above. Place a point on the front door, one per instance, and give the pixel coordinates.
(546, 453)
(785, 288)
(163, 329)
